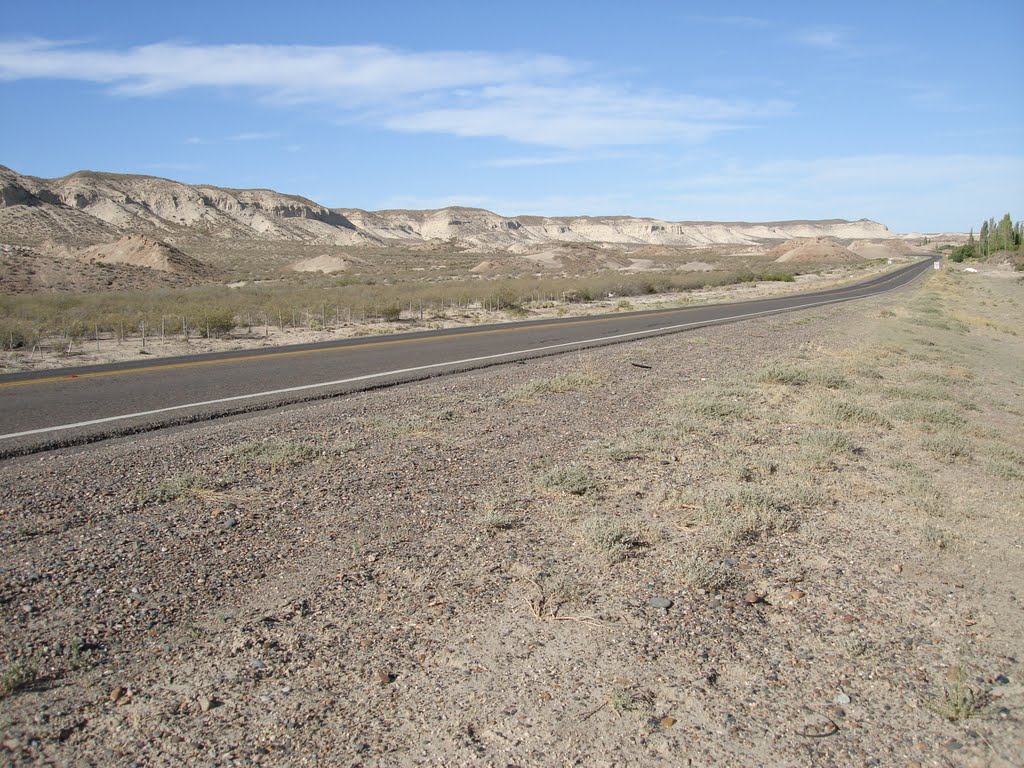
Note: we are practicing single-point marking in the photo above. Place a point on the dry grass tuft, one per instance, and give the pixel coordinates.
(612, 539)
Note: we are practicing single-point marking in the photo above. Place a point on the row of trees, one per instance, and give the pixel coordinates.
(992, 238)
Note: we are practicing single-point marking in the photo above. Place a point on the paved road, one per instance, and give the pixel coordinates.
(52, 408)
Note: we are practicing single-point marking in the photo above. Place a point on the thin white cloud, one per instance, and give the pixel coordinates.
(528, 98)
(907, 192)
(827, 38)
(588, 116)
(855, 172)
(291, 72)
(532, 161)
(254, 136)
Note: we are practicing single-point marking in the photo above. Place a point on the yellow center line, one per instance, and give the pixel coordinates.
(339, 348)
(344, 348)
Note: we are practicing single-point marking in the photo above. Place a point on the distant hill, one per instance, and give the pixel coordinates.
(89, 208)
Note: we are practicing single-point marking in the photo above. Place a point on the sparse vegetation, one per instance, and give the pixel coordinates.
(747, 513)
(612, 539)
(16, 677)
(784, 374)
(947, 446)
(576, 480)
(820, 446)
(845, 412)
(187, 485)
(959, 700)
(497, 514)
(275, 452)
(311, 301)
(567, 382)
(702, 572)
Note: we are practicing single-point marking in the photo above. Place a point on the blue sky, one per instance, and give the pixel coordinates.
(909, 113)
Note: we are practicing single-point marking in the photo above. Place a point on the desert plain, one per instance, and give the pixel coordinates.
(794, 540)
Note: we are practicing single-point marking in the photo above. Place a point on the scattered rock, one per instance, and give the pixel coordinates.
(383, 677)
(897, 568)
(842, 699)
(953, 745)
(753, 598)
(1002, 680)
(796, 594)
(667, 722)
(206, 703)
(117, 694)
(660, 602)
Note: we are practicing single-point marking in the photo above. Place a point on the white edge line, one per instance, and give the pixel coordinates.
(400, 371)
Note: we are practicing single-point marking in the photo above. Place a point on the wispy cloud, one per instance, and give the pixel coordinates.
(923, 192)
(291, 72)
(825, 38)
(529, 98)
(584, 116)
(872, 171)
(254, 136)
(531, 161)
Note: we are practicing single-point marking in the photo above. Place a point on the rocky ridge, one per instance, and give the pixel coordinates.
(89, 208)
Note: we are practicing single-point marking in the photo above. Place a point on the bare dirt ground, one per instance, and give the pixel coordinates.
(112, 350)
(791, 541)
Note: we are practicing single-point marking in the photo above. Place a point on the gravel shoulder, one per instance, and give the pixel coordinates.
(790, 541)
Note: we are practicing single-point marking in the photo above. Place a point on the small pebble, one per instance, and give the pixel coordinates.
(842, 699)
(953, 745)
(1002, 680)
(116, 694)
(660, 602)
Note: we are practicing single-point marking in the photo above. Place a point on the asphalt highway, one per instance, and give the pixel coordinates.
(48, 409)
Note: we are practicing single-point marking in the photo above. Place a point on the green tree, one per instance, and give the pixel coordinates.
(1005, 233)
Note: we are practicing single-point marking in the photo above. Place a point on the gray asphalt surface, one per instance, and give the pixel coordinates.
(49, 409)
